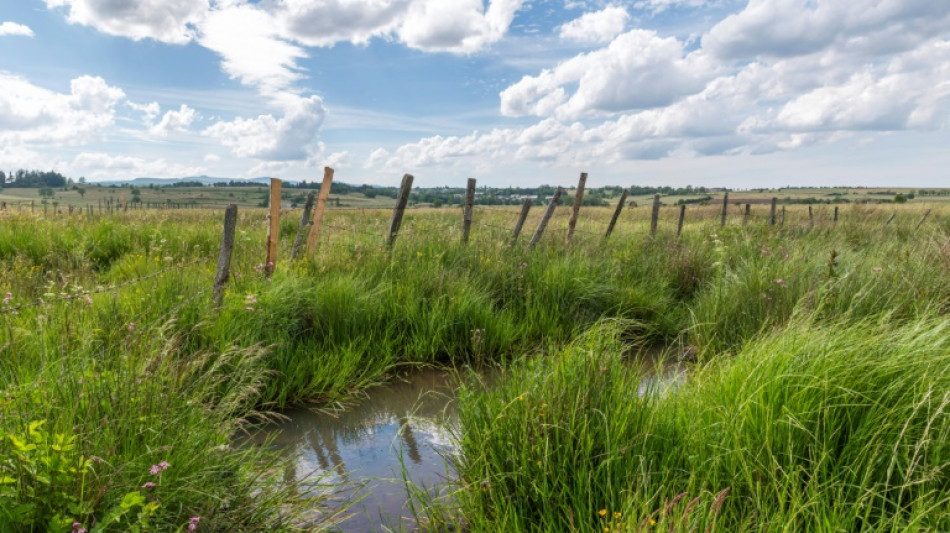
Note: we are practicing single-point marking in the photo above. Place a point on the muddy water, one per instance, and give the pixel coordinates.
(400, 429)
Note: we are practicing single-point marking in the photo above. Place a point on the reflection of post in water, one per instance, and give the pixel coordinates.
(330, 443)
(412, 447)
(318, 449)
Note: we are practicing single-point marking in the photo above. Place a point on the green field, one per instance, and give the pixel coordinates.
(816, 397)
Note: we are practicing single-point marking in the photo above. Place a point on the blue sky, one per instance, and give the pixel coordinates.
(705, 92)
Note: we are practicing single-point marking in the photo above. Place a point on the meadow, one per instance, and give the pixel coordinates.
(816, 398)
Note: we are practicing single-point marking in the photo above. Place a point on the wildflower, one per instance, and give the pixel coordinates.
(249, 308)
(602, 512)
(781, 283)
(8, 298)
(88, 300)
(157, 469)
(618, 515)
(148, 485)
(876, 269)
(193, 523)
(652, 522)
(130, 326)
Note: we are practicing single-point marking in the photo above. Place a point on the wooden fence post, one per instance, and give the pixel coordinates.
(890, 219)
(748, 211)
(655, 215)
(546, 217)
(613, 219)
(273, 226)
(772, 211)
(223, 274)
(304, 224)
(467, 211)
(578, 200)
(525, 207)
(322, 198)
(811, 216)
(725, 207)
(782, 220)
(679, 223)
(836, 215)
(922, 219)
(401, 200)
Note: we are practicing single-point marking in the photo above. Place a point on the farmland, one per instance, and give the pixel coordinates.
(816, 397)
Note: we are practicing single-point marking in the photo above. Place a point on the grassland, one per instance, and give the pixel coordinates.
(818, 396)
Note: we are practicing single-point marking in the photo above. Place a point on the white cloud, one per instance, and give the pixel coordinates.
(327, 22)
(290, 137)
(460, 26)
(337, 160)
(784, 28)
(100, 165)
(252, 49)
(659, 6)
(34, 115)
(212, 158)
(638, 70)
(174, 121)
(149, 111)
(170, 21)
(596, 27)
(12, 28)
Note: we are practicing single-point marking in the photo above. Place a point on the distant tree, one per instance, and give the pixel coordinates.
(900, 198)
(46, 192)
(81, 191)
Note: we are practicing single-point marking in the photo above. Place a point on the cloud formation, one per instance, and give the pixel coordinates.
(596, 27)
(12, 28)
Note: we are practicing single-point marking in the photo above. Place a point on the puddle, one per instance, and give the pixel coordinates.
(403, 427)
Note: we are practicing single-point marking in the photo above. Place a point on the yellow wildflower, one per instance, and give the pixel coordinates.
(602, 512)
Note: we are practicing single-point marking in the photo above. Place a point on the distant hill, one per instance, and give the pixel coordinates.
(206, 180)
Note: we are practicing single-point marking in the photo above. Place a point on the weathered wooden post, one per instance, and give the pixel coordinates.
(304, 224)
(578, 200)
(772, 211)
(782, 220)
(890, 219)
(811, 216)
(922, 219)
(467, 211)
(223, 273)
(613, 219)
(836, 215)
(679, 223)
(525, 207)
(745, 216)
(655, 215)
(32, 206)
(725, 208)
(546, 217)
(273, 226)
(401, 200)
(322, 198)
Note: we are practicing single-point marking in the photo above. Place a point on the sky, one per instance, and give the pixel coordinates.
(742, 94)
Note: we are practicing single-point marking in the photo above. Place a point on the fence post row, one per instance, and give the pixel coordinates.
(304, 223)
(578, 200)
(467, 211)
(725, 207)
(223, 273)
(322, 198)
(655, 215)
(273, 226)
(546, 217)
(613, 219)
(401, 200)
(525, 207)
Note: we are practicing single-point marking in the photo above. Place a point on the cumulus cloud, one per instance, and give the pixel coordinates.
(174, 121)
(149, 111)
(100, 165)
(637, 70)
(34, 115)
(596, 27)
(461, 26)
(290, 137)
(12, 28)
(169, 21)
(327, 22)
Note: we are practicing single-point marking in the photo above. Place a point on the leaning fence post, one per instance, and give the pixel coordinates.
(401, 200)
(273, 226)
(655, 215)
(922, 219)
(890, 219)
(525, 207)
(679, 223)
(748, 211)
(546, 217)
(725, 207)
(304, 223)
(322, 198)
(223, 274)
(772, 211)
(467, 211)
(578, 200)
(613, 219)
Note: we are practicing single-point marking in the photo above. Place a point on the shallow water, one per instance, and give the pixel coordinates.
(401, 428)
